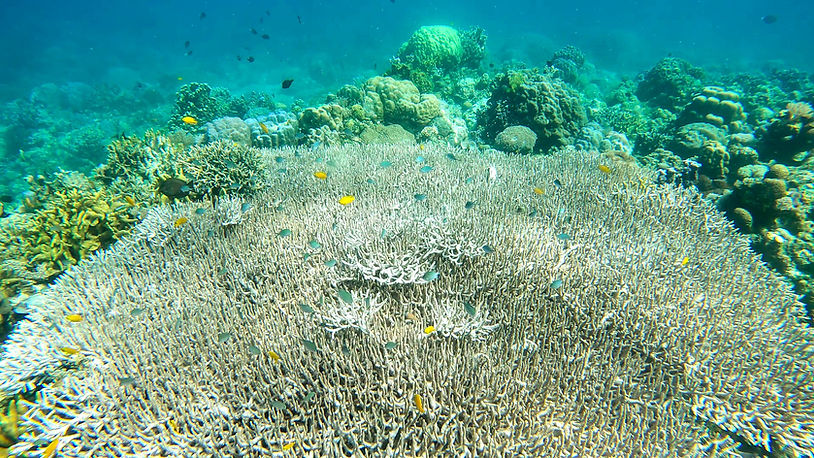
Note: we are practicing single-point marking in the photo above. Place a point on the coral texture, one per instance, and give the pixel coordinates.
(516, 139)
(545, 308)
(432, 47)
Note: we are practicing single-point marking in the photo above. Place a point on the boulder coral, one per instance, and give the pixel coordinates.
(669, 84)
(516, 139)
(544, 104)
(482, 318)
(399, 102)
(433, 47)
(716, 106)
(228, 129)
(789, 136)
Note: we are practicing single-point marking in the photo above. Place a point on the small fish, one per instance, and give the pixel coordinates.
(310, 395)
(254, 350)
(385, 164)
(200, 211)
(223, 271)
(469, 180)
(411, 316)
(245, 207)
(279, 159)
(186, 44)
(239, 58)
(429, 330)
(321, 175)
(450, 156)
(188, 53)
(390, 345)
(370, 181)
(174, 188)
(469, 308)
(74, 318)
(278, 405)
(180, 222)
(224, 336)
(69, 351)
(284, 233)
(420, 159)
(769, 19)
(287, 83)
(265, 36)
(491, 173)
(487, 249)
(51, 449)
(330, 262)
(556, 284)
(314, 244)
(685, 261)
(254, 32)
(126, 381)
(306, 308)
(430, 276)
(469, 204)
(604, 168)
(130, 201)
(557, 183)
(288, 446)
(250, 59)
(420, 197)
(174, 425)
(263, 127)
(136, 312)
(299, 19)
(309, 345)
(345, 200)
(563, 236)
(274, 356)
(203, 15)
(346, 296)
(419, 404)
(189, 120)
(345, 350)
(425, 169)
(538, 191)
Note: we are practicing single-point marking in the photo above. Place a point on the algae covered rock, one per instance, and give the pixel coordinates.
(516, 139)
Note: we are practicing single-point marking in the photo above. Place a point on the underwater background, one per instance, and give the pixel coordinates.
(110, 109)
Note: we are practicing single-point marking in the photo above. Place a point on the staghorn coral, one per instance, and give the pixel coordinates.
(538, 101)
(223, 167)
(602, 343)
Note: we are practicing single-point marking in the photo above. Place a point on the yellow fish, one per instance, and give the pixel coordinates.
(180, 78)
(288, 446)
(685, 261)
(264, 128)
(538, 191)
(345, 200)
(429, 330)
(74, 318)
(418, 403)
(421, 147)
(189, 120)
(180, 222)
(174, 425)
(51, 449)
(274, 356)
(130, 201)
(604, 168)
(321, 175)
(69, 350)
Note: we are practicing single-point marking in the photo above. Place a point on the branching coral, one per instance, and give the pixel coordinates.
(223, 167)
(603, 315)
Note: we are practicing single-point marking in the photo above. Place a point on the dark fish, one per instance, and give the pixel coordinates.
(557, 183)
(268, 13)
(203, 15)
(174, 188)
(239, 58)
(127, 381)
(250, 59)
(188, 53)
(287, 83)
(299, 19)
(265, 36)
(769, 19)
(254, 32)
(186, 44)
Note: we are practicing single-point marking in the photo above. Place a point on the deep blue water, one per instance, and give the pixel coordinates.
(341, 41)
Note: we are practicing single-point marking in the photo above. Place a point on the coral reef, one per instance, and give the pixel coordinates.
(567, 61)
(229, 129)
(670, 84)
(274, 130)
(194, 100)
(516, 139)
(789, 137)
(432, 47)
(223, 168)
(716, 106)
(400, 102)
(543, 103)
(395, 325)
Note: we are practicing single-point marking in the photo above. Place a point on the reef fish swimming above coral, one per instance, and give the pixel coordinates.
(386, 328)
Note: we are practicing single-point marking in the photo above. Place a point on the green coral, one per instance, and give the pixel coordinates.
(223, 168)
(432, 47)
(195, 100)
(670, 84)
(536, 100)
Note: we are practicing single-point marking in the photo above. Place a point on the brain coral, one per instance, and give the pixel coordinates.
(399, 102)
(602, 316)
(544, 104)
(431, 47)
